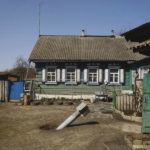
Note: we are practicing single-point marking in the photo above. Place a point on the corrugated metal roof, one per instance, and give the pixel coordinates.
(82, 48)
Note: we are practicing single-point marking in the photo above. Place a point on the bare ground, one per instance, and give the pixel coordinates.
(33, 128)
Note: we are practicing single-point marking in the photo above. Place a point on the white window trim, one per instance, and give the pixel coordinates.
(93, 67)
(143, 70)
(51, 82)
(69, 82)
(118, 75)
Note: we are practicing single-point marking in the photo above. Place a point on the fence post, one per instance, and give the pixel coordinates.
(114, 100)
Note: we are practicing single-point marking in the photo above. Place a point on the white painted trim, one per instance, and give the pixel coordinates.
(118, 76)
(106, 76)
(74, 67)
(85, 75)
(93, 67)
(142, 70)
(121, 75)
(78, 75)
(49, 67)
(39, 96)
(58, 75)
(100, 75)
(63, 75)
(43, 75)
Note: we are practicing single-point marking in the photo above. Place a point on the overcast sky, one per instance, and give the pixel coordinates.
(19, 21)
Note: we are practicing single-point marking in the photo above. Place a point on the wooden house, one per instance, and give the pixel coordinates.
(83, 66)
(141, 38)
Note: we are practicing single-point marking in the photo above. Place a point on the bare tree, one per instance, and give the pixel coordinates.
(21, 63)
(122, 30)
(20, 68)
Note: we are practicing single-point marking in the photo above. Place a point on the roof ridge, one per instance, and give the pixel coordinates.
(80, 35)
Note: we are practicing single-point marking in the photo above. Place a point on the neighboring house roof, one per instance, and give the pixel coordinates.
(7, 75)
(141, 38)
(138, 34)
(86, 48)
(140, 45)
(143, 47)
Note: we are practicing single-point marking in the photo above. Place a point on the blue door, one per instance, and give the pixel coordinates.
(16, 89)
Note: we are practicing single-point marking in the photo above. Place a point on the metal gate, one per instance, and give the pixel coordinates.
(16, 89)
(146, 104)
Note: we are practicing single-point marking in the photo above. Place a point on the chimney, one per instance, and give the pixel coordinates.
(112, 32)
(83, 32)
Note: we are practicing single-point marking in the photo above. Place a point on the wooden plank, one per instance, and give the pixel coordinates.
(131, 104)
(116, 102)
(0, 92)
(6, 97)
(119, 102)
(128, 103)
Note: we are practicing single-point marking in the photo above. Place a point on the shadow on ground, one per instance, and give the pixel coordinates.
(82, 124)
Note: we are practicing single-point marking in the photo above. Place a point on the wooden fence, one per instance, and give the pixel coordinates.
(125, 103)
(3, 91)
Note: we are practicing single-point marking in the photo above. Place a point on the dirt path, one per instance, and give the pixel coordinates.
(33, 128)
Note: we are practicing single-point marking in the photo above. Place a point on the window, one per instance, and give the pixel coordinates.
(93, 75)
(144, 71)
(71, 75)
(51, 75)
(114, 75)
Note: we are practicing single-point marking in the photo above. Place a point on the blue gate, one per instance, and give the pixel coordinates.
(16, 88)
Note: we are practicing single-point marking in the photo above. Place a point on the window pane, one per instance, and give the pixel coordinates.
(70, 69)
(93, 76)
(116, 79)
(51, 74)
(113, 70)
(90, 79)
(92, 70)
(111, 78)
(71, 74)
(68, 77)
(51, 69)
(48, 78)
(94, 79)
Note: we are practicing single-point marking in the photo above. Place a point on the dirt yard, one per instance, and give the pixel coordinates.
(33, 128)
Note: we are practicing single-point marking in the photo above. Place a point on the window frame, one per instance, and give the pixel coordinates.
(143, 70)
(93, 83)
(66, 80)
(114, 83)
(51, 82)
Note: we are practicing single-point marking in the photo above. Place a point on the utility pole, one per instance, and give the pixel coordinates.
(39, 17)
